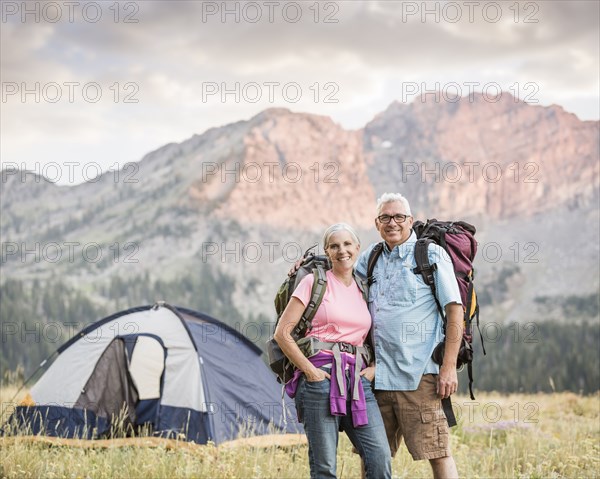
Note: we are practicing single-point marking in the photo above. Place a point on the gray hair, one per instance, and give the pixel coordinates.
(334, 229)
(393, 198)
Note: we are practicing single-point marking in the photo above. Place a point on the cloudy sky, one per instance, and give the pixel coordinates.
(99, 84)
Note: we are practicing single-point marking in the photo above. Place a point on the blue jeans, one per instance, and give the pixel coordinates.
(322, 429)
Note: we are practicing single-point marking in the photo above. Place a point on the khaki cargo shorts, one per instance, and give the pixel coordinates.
(418, 417)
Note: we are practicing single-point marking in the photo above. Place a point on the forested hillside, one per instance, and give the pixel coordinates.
(516, 353)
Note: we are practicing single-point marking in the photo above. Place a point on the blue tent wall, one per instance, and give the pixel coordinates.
(244, 397)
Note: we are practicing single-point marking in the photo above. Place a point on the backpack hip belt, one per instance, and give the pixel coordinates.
(311, 346)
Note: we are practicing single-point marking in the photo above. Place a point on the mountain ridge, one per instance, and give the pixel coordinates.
(279, 178)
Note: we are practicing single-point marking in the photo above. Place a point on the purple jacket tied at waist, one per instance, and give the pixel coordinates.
(338, 389)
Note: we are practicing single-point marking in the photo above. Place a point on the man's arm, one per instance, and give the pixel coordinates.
(448, 378)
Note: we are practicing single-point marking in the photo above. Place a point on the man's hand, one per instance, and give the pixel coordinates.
(296, 266)
(447, 381)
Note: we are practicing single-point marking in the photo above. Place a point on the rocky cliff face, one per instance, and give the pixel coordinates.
(281, 177)
(494, 157)
(289, 171)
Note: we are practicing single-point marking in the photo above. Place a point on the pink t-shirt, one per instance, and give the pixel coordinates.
(343, 315)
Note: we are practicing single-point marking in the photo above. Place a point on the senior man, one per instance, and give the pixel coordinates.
(407, 327)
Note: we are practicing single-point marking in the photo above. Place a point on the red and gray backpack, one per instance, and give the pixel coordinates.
(458, 240)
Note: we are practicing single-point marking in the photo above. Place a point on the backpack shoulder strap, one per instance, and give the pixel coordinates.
(373, 257)
(426, 270)
(316, 297)
(362, 284)
(422, 259)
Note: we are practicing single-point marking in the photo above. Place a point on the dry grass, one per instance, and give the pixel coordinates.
(522, 436)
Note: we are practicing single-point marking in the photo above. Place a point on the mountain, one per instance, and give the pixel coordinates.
(498, 159)
(241, 202)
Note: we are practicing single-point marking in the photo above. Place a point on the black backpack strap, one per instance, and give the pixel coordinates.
(426, 271)
(373, 257)
(316, 297)
(479, 329)
(470, 373)
(447, 407)
(472, 298)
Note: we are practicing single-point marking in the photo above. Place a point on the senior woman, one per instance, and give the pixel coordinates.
(332, 395)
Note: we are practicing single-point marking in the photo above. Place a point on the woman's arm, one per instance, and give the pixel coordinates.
(288, 321)
(369, 372)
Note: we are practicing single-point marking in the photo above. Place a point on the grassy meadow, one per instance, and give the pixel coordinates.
(498, 436)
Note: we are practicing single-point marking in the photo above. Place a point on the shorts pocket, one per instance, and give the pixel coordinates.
(435, 429)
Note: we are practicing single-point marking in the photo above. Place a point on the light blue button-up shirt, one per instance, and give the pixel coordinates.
(407, 325)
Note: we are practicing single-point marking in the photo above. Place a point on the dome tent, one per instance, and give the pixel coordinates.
(179, 372)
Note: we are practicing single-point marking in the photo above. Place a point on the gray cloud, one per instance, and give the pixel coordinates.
(369, 53)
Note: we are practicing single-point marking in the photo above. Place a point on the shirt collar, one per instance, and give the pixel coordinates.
(404, 248)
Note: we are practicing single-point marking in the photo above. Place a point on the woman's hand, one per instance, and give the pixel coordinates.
(315, 374)
(368, 373)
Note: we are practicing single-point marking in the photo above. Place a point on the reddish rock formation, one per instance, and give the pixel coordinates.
(499, 157)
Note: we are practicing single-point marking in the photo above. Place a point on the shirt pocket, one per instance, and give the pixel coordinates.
(402, 289)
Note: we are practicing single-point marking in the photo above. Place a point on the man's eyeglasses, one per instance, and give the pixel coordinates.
(385, 219)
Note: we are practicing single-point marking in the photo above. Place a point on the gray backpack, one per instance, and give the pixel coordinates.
(312, 264)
